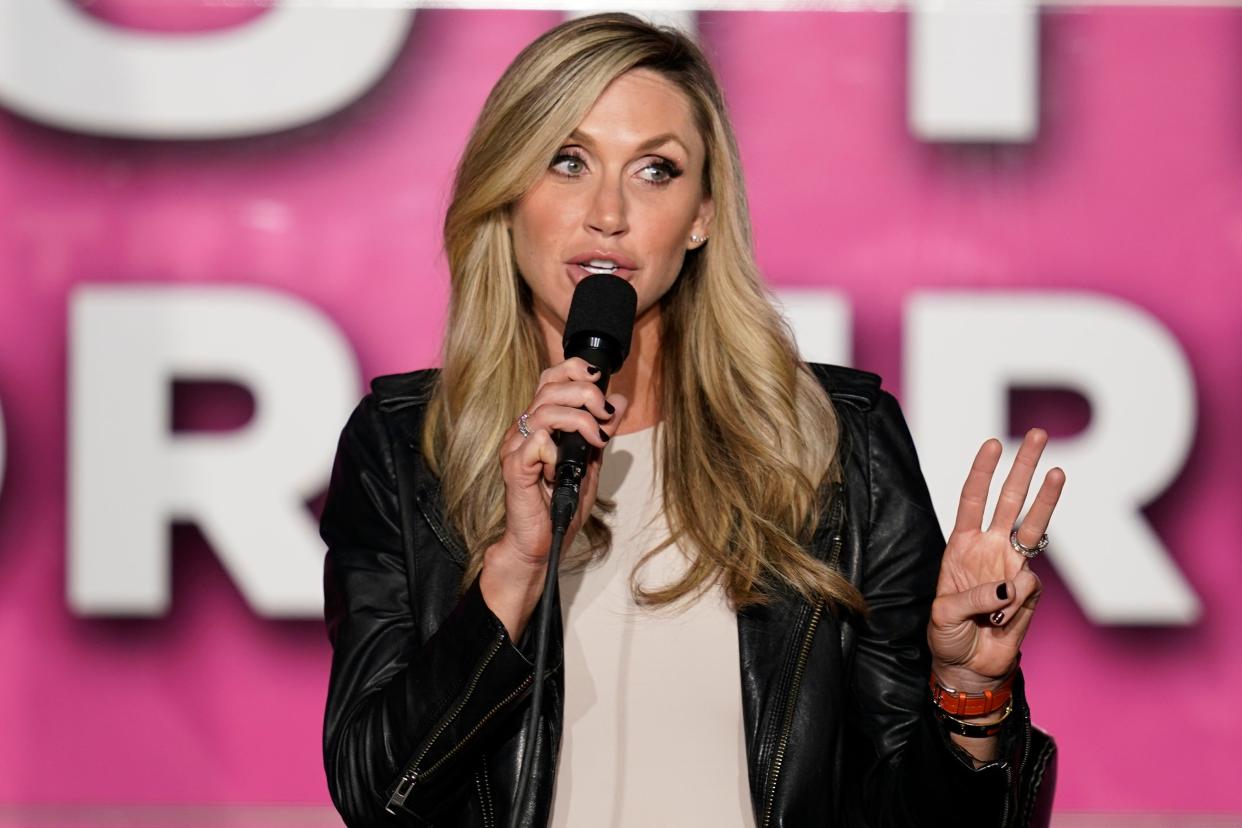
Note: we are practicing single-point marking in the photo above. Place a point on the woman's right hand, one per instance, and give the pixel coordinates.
(514, 567)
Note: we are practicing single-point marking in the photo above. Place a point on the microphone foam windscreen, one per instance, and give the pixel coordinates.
(603, 305)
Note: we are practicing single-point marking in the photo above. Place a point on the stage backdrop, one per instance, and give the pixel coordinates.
(217, 223)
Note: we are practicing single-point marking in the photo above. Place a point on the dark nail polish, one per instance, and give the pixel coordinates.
(997, 617)
(603, 435)
(1002, 592)
(608, 407)
(592, 370)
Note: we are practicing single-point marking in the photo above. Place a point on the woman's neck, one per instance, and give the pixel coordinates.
(639, 378)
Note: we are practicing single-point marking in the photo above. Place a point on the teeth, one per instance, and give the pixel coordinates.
(596, 266)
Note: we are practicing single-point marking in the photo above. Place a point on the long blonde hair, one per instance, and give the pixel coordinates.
(743, 417)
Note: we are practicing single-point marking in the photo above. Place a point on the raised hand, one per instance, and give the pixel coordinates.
(986, 593)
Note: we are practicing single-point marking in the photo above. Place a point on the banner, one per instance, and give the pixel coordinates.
(218, 222)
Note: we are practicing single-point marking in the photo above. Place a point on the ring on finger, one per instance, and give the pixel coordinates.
(1029, 552)
(523, 426)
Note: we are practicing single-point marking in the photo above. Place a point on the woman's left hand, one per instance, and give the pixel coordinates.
(986, 593)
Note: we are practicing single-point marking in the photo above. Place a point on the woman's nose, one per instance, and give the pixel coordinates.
(606, 211)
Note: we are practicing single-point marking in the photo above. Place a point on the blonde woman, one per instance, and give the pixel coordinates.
(762, 622)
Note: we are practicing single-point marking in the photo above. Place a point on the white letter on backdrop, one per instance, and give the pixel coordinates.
(964, 352)
(821, 324)
(973, 68)
(61, 67)
(130, 476)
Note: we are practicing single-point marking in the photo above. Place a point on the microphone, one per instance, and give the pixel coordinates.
(598, 329)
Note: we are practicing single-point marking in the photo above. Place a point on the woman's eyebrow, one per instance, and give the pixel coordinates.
(650, 143)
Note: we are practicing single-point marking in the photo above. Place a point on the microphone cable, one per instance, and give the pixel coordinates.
(564, 505)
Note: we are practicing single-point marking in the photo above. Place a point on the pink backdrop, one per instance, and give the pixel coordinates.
(1133, 189)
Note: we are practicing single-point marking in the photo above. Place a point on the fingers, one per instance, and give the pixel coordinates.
(1040, 514)
(575, 394)
(529, 452)
(1023, 596)
(619, 405)
(569, 385)
(567, 399)
(567, 405)
(571, 370)
(562, 418)
(953, 608)
(524, 460)
(975, 490)
(1008, 602)
(1018, 482)
(590, 483)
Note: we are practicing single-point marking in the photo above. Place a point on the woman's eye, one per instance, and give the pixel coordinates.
(660, 172)
(567, 164)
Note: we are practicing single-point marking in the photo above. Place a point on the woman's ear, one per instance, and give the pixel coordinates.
(701, 229)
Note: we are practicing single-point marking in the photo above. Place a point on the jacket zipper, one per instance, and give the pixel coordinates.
(1009, 770)
(838, 506)
(787, 728)
(410, 773)
(483, 721)
(485, 797)
(1038, 770)
(803, 653)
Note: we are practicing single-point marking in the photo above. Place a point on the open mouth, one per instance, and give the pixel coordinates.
(594, 267)
(599, 267)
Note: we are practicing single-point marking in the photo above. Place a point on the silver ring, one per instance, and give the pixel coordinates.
(523, 428)
(1028, 551)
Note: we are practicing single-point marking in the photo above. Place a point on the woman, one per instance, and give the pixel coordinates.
(783, 532)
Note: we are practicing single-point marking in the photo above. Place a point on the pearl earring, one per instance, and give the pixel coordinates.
(696, 238)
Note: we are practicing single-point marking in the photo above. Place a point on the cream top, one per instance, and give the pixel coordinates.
(653, 703)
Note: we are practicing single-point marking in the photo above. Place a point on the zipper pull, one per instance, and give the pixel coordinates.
(402, 793)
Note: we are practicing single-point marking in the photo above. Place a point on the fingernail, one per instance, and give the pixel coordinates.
(1002, 592)
(592, 370)
(997, 617)
(608, 407)
(603, 435)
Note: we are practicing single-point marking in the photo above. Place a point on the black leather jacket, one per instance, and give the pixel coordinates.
(427, 694)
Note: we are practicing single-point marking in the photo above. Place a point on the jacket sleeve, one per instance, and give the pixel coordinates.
(398, 705)
(913, 774)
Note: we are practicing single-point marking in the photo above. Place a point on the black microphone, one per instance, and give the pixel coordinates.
(598, 329)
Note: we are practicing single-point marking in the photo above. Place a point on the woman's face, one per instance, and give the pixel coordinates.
(625, 189)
